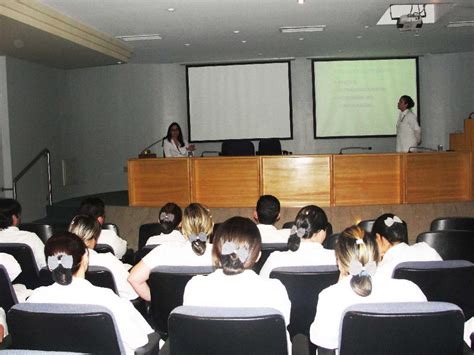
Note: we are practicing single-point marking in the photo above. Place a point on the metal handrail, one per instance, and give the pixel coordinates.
(44, 152)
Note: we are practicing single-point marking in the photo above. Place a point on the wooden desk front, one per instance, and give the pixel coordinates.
(325, 180)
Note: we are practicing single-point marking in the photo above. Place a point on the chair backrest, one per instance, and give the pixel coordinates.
(43, 231)
(29, 275)
(64, 327)
(97, 275)
(269, 146)
(450, 245)
(402, 328)
(452, 223)
(267, 249)
(146, 231)
(445, 281)
(303, 284)
(104, 248)
(7, 294)
(231, 331)
(366, 225)
(112, 227)
(237, 147)
(330, 241)
(167, 285)
(140, 254)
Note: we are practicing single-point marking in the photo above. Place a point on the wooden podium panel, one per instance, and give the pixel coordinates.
(297, 181)
(154, 182)
(226, 181)
(438, 177)
(367, 179)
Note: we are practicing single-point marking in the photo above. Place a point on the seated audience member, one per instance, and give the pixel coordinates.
(13, 270)
(10, 215)
(88, 229)
(266, 214)
(357, 255)
(391, 235)
(170, 218)
(305, 243)
(95, 207)
(196, 226)
(3, 325)
(236, 248)
(68, 260)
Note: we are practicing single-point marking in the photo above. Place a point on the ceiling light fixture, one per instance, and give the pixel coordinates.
(243, 41)
(236, 31)
(457, 24)
(187, 44)
(301, 29)
(147, 37)
(171, 9)
(300, 2)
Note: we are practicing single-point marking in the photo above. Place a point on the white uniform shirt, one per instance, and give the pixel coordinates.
(174, 236)
(308, 254)
(336, 298)
(132, 327)
(270, 234)
(403, 252)
(118, 270)
(3, 321)
(11, 265)
(177, 253)
(468, 330)
(118, 244)
(171, 150)
(14, 235)
(408, 131)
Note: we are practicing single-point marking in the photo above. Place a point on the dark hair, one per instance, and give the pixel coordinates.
(310, 218)
(349, 248)
(170, 217)
(408, 100)
(180, 136)
(8, 208)
(394, 233)
(92, 206)
(65, 243)
(243, 233)
(268, 209)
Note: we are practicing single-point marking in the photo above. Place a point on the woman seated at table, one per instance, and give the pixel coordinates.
(196, 226)
(391, 235)
(357, 255)
(305, 243)
(68, 259)
(174, 144)
(170, 219)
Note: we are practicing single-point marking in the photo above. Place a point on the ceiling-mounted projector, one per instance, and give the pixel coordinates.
(410, 22)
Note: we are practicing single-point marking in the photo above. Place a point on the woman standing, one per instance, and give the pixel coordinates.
(408, 130)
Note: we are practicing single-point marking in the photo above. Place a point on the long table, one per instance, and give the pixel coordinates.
(298, 180)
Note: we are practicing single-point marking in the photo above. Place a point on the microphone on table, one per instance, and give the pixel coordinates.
(146, 152)
(350, 148)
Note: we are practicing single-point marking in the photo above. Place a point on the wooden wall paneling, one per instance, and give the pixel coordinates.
(154, 182)
(297, 180)
(369, 179)
(438, 177)
(226, 182)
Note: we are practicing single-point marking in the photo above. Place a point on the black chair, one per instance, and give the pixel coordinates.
(167, 285)
(112, 227)
(269, 146)
(444, 281)
(452, 223)
(450, 245)
(7, 294)
(104, 248)
(303, 284)
(43, 231)
(366, 225)
(29, 275)
(330, 241)
(230, 331)
(68, 327)
(418, 328)
(140, 254)
(237, 147)
(146, 231)
(267, 249)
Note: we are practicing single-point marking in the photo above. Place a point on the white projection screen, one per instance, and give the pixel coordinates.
(358, 98)
(239, 101)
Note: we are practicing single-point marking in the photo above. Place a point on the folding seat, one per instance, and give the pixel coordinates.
(367, 225)
(146, 231)
(43, 231)
(450, 245)
(267, 249)
(452, 223)
(24, 255)
(7, 294)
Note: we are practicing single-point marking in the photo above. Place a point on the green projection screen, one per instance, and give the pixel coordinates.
(358, 98)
